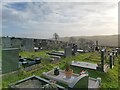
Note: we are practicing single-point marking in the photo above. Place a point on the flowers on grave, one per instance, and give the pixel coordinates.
(56, 71)
(52, 82)
(83, 72)
(50, 86)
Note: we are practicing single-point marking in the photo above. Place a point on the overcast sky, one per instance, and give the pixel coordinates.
(42, 19)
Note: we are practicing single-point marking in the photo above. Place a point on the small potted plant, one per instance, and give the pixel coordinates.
(56, 71)
(68, 71)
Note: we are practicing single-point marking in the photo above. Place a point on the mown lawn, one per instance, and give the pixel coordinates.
(109, 79)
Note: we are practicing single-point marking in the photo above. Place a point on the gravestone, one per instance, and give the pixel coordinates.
(102, 59)
(6, 42)
(116, 53)
(118, 50)
(113, 53)
(74, 49)
(97, 48)
(28, 45)
(16, 42)
(68, 51)
(83, 83)
(111, 60)
(10, 60)
(44, 44)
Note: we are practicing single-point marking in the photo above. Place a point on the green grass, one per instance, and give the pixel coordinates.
(109, 79)
(33, 54)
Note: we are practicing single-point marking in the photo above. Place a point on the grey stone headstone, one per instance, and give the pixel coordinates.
(6, 42)
(68, 51)
(10, 59)
(16, 42)
(28, 45)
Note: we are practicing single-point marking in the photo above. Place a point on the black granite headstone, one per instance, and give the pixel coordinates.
(111, 60)
(116, 53)
(74, 49)
(102, 59)
(113, 53)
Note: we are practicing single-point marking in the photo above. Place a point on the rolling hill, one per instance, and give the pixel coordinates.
(104, 40)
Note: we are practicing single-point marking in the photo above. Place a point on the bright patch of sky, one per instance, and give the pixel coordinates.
(42, 19)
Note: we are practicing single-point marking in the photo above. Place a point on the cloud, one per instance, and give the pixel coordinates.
(64, 18)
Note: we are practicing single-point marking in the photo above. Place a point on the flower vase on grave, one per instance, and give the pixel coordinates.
(56, 71)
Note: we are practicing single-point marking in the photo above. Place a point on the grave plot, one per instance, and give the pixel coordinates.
(56, 54)
(56, 59)
(84, 65)
(36, 83)
(26, 62)
(75, 81)
(102, 66)
(52, 59)
(66, 53)
(105, 65)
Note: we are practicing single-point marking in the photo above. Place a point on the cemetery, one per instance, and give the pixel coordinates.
(60, 45)
(62, 68)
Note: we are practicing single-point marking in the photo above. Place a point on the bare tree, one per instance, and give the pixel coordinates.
(56, 36)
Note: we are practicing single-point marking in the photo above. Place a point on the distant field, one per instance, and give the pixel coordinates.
(109, 79)
(106, 40)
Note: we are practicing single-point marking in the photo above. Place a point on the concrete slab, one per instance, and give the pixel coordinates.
(61, 77)
(84, 65)
(33, 82)
(71, 82)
